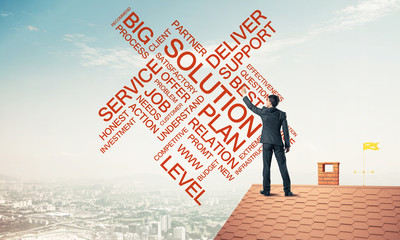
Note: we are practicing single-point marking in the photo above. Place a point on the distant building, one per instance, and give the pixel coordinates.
(169, 218)
(144, 233)
(155, 231)
(22, 204)
(121, 228)
(134, 228)
(124, 229)
(179, 233)
(165, 221)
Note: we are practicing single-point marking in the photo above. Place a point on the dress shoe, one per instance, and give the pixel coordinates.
(265, 192)
(288, 194)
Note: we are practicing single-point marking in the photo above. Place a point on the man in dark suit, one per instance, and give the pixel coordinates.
(272, 120)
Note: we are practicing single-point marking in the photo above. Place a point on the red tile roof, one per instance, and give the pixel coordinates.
(316, 212)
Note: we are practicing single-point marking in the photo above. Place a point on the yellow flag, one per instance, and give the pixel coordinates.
(370, 145)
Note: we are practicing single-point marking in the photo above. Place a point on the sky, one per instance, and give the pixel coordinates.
(335, 62)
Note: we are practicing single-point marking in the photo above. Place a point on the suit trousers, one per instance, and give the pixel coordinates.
(281, 159)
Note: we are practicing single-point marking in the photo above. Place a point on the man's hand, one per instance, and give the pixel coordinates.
(287, 149)
(243, 91)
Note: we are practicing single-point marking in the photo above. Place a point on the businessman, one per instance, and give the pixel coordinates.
(272, 120)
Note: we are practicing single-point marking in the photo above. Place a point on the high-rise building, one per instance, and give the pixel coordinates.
(144, 233)
(155, 231)
(124, 228)
(179, 233)
(169, 221)
(165, 221)
(134, 228)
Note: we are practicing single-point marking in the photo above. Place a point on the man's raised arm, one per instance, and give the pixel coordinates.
(248, 103)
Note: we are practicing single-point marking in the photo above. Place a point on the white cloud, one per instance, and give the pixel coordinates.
(77, 37)
(276, 45)
(4, 14)
(352, 16)
(344, 19)
(122, 59)
(32, 28)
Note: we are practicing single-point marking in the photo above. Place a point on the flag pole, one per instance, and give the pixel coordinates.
(366, 146)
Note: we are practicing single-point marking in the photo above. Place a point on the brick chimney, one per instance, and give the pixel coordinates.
(328, 173)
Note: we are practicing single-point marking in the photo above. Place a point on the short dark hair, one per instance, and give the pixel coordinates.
(274, 100)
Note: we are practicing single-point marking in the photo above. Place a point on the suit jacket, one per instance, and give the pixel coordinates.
(272, 120)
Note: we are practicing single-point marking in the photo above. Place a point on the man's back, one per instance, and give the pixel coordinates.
(272, 119)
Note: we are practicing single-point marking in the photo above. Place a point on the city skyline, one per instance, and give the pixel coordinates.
(106, 210)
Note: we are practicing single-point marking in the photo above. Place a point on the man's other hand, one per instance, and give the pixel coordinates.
(287, 149)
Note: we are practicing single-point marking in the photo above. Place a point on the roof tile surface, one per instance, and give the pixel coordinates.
(316, 212)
